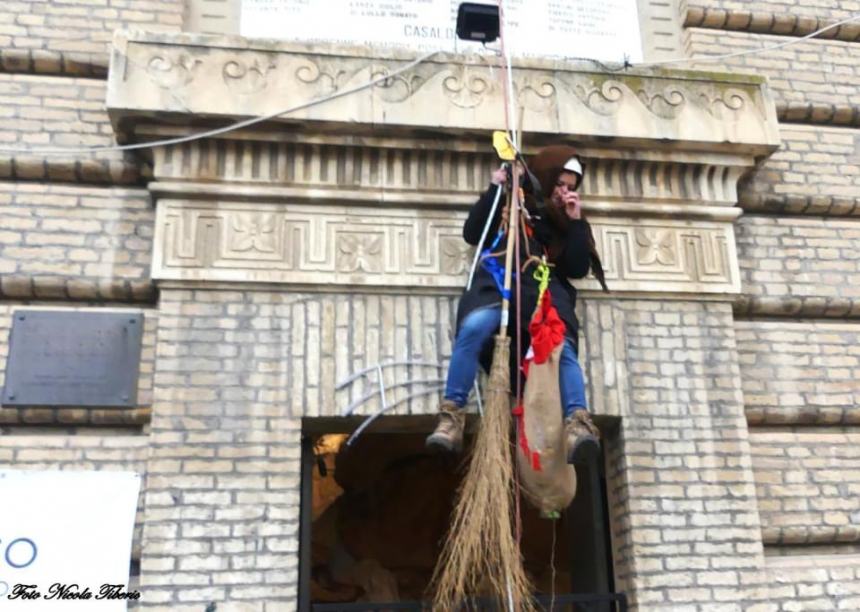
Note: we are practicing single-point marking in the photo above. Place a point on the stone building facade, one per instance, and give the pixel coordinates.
(273, 263)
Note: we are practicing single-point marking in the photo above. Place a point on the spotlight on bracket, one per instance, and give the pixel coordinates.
(478, 22)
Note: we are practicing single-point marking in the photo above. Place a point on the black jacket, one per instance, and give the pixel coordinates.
(573, 261)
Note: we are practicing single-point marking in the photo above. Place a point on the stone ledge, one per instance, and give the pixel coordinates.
(62, 288)
(813, 535)
(815, 205)
(809, 415)
(784, 24)
(804, 558)
(58, 63)
(74, 416)
(86, 171)
(796, 307)
(421, 199)
(823, 114)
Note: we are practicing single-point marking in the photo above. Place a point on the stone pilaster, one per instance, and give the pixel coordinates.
(222, 487)
(685, 522)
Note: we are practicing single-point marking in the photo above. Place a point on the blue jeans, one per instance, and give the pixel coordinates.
(477, 329)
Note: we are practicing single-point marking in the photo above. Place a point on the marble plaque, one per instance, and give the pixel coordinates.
(604, 30)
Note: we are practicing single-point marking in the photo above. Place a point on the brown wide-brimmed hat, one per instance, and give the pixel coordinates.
(548, 163)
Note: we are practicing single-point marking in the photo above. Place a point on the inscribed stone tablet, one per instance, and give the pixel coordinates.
(65, 358)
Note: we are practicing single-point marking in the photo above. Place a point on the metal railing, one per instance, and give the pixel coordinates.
(570, 602)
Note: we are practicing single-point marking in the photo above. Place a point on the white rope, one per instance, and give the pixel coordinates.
(512, 107)
(484, 233)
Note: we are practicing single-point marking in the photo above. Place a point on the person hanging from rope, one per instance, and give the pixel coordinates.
(555, 227)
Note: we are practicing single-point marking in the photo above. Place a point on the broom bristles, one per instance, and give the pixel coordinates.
(480, 555)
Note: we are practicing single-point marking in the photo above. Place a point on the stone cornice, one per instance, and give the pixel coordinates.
(422, 199)
(223, 77)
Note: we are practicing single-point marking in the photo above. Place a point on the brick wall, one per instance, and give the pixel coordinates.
(292, 348)
(46, 449)
(814, 81)
(799, 264)
(69, 242)
(47, 112)
(237, 371)
(816, 171)
(815, 581)
(222, 490)
(73, 36)
(799, 261)
(800, 371)
(62, 245)
(808, 483)
(686, 529)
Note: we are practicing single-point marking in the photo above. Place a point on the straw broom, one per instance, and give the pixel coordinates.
(480, 555)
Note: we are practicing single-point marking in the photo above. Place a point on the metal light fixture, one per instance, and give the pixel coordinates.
(477, 22)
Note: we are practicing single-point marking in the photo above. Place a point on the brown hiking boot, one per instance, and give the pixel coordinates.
(448, 435)
(583, 438)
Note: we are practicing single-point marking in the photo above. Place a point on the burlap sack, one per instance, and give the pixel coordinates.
(547, 480)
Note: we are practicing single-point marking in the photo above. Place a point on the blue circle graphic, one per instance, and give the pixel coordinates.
(21, 565)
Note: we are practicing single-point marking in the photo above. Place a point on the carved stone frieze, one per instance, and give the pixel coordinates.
(656, 255)
(215, 77)
(372, 247)
(308, 244)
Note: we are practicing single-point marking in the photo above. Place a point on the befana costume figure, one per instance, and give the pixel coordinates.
(555, 229)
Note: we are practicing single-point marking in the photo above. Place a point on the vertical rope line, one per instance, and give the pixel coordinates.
(513, 226)
(552, 566)
(507, 83)
(518, 356)
(519, 310)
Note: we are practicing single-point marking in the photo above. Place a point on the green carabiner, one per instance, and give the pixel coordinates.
(541, 275)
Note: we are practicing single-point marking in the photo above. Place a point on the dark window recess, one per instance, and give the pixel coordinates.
(372, 518)
(617, 602)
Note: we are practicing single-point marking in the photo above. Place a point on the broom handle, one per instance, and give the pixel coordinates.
(513, 210)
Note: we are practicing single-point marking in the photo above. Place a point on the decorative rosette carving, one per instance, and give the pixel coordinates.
(172, 70)
(455, 255)
(602, 98)
(667, 104)
(724, 103)
(328, 76)
(247, 77)
(253, 231)
(655, 246)
(359, 252)
(466, 88)
(536, 94)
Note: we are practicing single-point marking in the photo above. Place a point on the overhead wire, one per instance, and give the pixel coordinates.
(228, 128)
